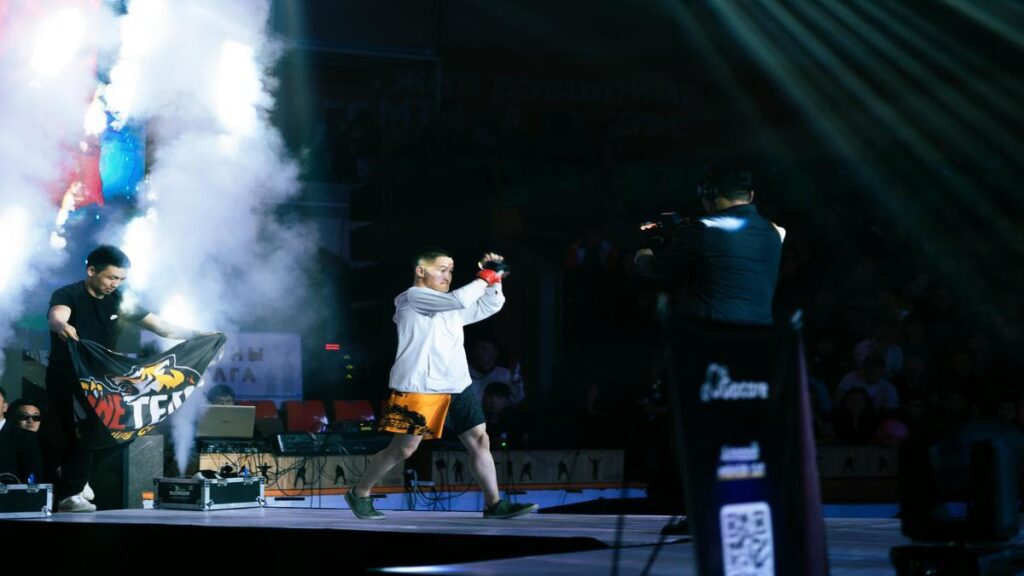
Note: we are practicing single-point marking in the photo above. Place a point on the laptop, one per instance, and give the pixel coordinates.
(226, 422)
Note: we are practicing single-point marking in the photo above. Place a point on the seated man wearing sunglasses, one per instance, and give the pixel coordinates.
(19, 450)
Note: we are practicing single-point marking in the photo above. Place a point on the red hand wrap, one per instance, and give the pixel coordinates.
(489, 276)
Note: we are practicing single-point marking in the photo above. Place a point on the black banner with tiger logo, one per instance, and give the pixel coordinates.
(129, 396)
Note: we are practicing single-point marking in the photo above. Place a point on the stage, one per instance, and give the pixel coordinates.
(857, 547)
(405, 542)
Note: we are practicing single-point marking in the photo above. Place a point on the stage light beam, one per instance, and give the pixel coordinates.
(140, 244)
(56, 43)
(238, 88)
(178, 311)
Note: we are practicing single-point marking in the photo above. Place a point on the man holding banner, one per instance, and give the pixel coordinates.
(93, 310)
(738, 392)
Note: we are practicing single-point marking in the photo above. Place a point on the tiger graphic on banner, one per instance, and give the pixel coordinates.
(132, 395)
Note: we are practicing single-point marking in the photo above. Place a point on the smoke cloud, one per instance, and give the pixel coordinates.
(47, 81)
(209, 250)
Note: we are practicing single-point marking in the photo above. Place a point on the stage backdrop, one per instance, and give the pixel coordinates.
(256, 365)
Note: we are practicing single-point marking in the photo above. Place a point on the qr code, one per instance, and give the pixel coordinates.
(747, 548)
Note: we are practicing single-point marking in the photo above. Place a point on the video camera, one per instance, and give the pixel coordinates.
(660, 232)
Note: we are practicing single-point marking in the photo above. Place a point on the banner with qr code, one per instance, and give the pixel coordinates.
(741, 408)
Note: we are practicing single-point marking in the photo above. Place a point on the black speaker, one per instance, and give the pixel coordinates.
(121, 474)
(962, 487)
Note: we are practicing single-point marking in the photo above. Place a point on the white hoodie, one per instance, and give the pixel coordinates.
(431, 355)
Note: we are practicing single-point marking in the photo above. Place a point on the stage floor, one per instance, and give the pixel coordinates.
(604, 530)
(443, 542)
(857, 547)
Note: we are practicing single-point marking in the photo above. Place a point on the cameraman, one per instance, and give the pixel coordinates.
(729, 260)
(730, 257)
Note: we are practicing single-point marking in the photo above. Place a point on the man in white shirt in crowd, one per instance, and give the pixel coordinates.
(484, 370)
(871, 377)
(430, 377)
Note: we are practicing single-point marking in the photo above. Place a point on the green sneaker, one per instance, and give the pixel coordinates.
(506, 509)
(362, 506)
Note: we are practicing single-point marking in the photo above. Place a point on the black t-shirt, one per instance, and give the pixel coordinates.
(731, 260)
(98, 319)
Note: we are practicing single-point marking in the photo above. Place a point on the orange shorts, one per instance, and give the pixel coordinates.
(416, 414)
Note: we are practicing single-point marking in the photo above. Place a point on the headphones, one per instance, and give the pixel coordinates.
(719, 181)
